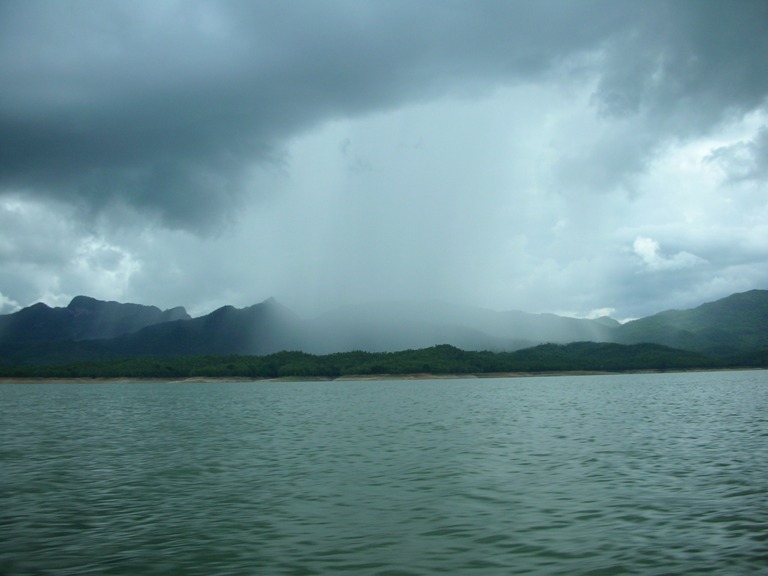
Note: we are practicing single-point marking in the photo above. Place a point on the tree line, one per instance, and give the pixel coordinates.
(442, 359)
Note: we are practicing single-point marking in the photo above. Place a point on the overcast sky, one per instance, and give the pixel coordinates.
(577, 157)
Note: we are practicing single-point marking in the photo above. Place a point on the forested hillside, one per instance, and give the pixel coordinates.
(728, 326)
(444, 359)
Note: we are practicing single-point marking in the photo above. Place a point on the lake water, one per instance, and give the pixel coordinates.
(605, 475)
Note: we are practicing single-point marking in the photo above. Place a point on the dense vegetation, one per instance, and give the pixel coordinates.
(444, 359)
(729, 326)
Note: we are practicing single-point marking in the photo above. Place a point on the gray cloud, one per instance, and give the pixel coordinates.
(744, 161)
(689, 64)
(168, 108)
(508, 154)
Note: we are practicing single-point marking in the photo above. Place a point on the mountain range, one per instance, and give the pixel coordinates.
(92, 329)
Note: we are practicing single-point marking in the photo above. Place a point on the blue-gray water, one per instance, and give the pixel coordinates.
(636, 474)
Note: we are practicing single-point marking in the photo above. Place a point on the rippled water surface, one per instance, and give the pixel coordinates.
(635, 474)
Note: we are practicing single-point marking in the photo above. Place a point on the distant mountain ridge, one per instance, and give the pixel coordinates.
(84, 318)
(92, 329)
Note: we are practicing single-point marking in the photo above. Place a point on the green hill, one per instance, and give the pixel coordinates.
(734, 324)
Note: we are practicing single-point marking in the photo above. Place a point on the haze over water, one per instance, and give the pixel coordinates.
(634, 474)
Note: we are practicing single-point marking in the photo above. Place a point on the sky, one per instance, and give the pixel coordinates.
(578, 157)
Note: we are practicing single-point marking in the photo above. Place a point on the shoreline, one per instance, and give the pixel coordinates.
(352, 377)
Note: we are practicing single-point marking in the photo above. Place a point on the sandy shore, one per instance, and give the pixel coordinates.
(346, 378)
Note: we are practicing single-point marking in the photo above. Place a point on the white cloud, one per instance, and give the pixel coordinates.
(8, 305)
(649, 252)
(600, 313)
(107, 268)
(745, 159)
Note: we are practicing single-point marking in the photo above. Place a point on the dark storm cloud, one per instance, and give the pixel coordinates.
(167, 107)
(674, 71)
(688, 62)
